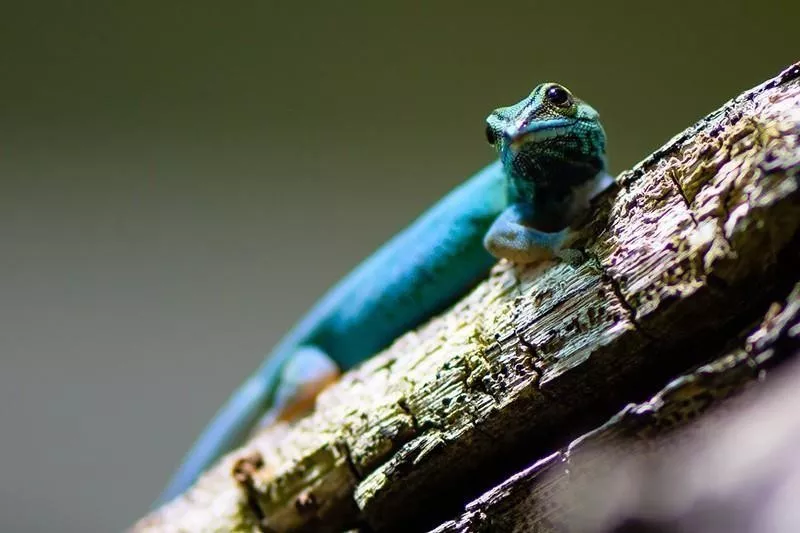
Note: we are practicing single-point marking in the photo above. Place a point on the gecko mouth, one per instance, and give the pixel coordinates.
(541, 131)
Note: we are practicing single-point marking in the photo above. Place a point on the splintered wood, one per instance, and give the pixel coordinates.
(685, 251)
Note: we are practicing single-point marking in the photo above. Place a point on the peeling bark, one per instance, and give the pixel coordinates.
(687, 251)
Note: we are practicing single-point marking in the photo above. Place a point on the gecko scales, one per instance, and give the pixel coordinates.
(551, 163)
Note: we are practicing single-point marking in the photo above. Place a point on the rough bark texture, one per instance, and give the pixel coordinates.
(736, 471)
(687, 252)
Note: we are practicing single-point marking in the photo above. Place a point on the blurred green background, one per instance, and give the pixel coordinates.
(180, 181)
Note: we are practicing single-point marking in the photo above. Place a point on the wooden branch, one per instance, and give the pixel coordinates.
(688, 250)
(627, 472)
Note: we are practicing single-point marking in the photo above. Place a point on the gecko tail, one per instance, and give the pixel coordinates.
(229, 428)
(284, 388)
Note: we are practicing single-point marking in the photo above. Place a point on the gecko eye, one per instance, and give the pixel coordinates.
(559, 96)
(491, 136)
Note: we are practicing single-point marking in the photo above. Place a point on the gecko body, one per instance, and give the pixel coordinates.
(551, 162)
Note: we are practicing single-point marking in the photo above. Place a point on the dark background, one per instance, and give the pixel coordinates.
(180, 181)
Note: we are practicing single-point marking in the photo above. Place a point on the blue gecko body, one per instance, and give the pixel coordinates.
(430, 264)
(416, 274)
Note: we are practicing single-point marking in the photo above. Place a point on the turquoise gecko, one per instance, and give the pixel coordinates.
(551, 163)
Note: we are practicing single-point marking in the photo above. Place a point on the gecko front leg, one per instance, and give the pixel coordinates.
(513, 237)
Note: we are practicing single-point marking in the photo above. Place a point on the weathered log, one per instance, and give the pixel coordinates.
(633, 471)
(690, 248)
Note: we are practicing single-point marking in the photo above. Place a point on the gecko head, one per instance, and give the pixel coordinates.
(543, 131)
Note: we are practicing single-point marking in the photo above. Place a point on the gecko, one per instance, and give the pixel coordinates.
(551, 162)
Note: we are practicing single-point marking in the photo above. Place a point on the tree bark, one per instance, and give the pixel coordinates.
(726, 473)
(685, 254)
